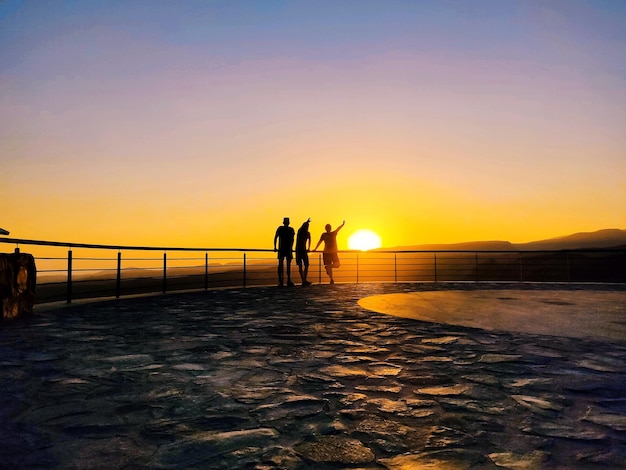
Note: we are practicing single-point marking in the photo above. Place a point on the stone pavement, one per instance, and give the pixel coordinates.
(585, 314)
(299, 378)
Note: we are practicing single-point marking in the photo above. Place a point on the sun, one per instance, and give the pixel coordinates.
(364, 239)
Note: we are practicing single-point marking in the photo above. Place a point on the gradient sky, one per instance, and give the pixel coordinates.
(204, 123)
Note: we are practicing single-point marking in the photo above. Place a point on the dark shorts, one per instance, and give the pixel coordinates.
(330, 259)
(287, 254)
(302, 257)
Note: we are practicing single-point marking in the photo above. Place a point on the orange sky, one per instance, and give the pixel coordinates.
(205, 124)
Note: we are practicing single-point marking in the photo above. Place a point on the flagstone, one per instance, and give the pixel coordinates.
(336, 449)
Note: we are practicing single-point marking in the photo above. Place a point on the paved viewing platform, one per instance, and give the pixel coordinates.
(314, 377)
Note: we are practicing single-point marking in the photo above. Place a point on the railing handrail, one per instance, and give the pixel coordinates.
(429, 264)
(24, 241)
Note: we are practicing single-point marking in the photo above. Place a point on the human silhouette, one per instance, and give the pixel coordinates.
(330, 254)
(303, 245)
(284, 235)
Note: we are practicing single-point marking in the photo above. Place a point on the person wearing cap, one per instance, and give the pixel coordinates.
(284, 235)
(303, 245)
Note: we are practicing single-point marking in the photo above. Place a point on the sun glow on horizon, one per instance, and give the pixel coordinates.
(364, 239)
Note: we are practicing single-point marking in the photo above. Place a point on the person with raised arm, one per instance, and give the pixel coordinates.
(330, 253)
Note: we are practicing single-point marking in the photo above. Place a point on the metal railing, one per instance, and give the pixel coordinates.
(70, 271)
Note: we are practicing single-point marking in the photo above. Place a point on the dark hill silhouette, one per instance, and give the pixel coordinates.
(607, 238)
(465, 246)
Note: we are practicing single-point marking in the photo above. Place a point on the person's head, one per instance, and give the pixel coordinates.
(286, 221)
(305, 225)
(328, 227)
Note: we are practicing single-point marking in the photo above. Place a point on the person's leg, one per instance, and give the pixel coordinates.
(327, 262)
(289, 283)
(299, 263)
(280, 271)
(333, 264)
(306, 272)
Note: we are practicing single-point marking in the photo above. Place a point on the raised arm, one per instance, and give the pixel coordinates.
(340, 227)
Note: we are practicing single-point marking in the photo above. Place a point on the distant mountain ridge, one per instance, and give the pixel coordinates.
(606, 238)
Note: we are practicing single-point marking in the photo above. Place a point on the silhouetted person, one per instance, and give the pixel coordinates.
(284, 235)
(303, 245)
(330, 255)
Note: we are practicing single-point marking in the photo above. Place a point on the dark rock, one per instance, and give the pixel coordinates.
(534, 459)
(611, 420)
(393, 436)
(453, 459)
(336, 449)
(202, 448)
(280, 457)
(566, 431)
(293, 407)
(543, 406)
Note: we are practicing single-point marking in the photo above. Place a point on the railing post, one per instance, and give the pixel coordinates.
(244, 270)
(568, 266)
(521, 267)
(206, 271)
(395, 268)
(164, 273)
(476, 264)
(435, 256)
(69, 277)
(118, 282)
(319, 266)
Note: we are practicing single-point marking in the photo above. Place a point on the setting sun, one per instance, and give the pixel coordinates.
(363, 240)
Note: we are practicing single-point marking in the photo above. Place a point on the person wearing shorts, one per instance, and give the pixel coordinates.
(330, 254)
(284, 236)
